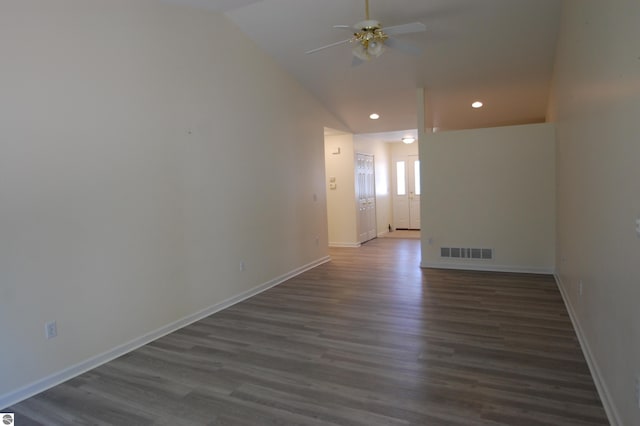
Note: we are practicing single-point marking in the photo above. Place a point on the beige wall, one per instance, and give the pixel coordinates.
(341, 202)
(145, 151)
(597, 110)
(490, 188)
(400, 149)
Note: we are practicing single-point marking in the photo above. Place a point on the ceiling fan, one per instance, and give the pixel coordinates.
(370, 38)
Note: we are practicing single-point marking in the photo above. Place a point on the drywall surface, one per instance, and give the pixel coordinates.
(341, 192)
(490, 188)
(597, 109)
(145, 151)
(403, 149)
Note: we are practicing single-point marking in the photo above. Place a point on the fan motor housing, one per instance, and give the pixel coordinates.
(368, 25)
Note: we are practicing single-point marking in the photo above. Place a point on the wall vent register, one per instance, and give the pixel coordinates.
(466, 253)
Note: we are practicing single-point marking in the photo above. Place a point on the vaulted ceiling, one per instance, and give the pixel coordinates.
(498, 51)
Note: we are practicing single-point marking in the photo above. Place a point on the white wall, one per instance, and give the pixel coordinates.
(597, 110)
(490, 188)
(381, 152)
(145, 150)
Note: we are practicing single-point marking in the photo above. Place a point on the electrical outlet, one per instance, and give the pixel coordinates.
(50, 329)
(242, 267)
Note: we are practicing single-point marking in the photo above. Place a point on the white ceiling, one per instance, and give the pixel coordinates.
(498, 51)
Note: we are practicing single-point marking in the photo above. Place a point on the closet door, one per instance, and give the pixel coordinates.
(365, 197)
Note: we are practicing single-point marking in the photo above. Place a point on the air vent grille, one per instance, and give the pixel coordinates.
(466, 253)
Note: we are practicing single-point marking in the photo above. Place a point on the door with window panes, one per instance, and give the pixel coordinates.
(406, 192)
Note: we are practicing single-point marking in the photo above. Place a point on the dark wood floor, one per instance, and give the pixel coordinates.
(367, 339)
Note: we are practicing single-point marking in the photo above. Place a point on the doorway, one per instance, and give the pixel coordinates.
(406, 191)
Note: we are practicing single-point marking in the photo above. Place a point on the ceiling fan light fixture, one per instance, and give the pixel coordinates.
(369, 41)
(375, 48)
(360, 52)
(368, 50)
(408, 140)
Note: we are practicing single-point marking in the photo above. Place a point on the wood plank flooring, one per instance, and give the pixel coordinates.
(367, 339)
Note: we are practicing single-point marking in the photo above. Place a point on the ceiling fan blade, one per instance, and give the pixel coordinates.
(405, 47)
(337, 43)
(413, 27)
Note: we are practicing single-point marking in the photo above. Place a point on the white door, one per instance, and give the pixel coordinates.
(406, 192)
(366, 197)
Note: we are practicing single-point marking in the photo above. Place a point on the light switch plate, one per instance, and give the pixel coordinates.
(50, 329)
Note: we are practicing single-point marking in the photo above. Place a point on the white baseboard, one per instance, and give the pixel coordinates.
(353, 245)
(601, 387)
(52, 380)
(476, 266)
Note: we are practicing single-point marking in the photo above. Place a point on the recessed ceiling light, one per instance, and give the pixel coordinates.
(374, 116)
(408, 140)
(477, 104)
